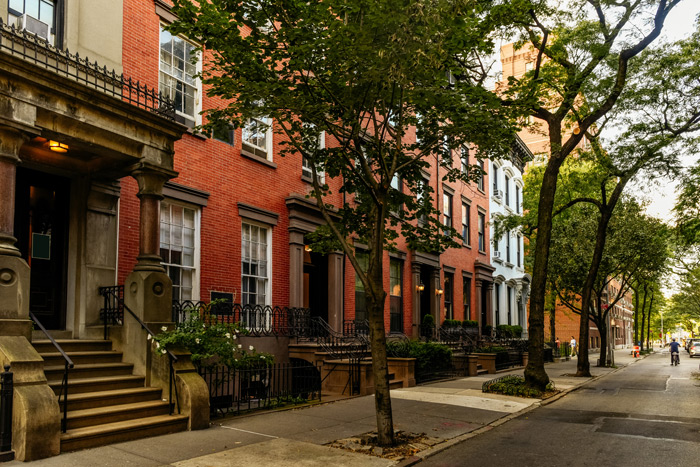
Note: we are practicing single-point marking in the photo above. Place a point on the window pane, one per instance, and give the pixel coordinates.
(17, 5)
(46, 12)
(32, 8)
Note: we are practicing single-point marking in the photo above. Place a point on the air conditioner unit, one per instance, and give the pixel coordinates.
(496, 254)
(498, 194)
(34, 26)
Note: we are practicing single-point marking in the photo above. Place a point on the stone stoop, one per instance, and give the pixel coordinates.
(480, 370)
(107, 403)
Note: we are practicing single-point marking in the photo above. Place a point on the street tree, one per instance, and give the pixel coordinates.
(585, 57)
(394, 85)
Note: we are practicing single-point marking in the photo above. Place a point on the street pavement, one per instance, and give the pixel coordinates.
(455, 411)
(646, 414)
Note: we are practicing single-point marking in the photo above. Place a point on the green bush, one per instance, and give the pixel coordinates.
(470, 323)
(211, 344)
(428, 320)
(430, 357)
(451, 323)
(487, 329)
(491, 349)
(505, 330)
(517, 330)
(514, 386)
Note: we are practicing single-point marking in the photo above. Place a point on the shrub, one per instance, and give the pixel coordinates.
(211, 344)
(514, 386)
(517, 330)
(428, 320)
(451, 323)
(487, 329)
(430, 357)
(505, 330)
(470, 323)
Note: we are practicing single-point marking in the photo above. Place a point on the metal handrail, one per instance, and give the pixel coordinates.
(68, 365)
(104, 291)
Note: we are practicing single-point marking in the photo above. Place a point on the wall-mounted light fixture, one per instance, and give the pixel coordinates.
(55, 146)
(307, 248)
(420, 287)
(439, 292)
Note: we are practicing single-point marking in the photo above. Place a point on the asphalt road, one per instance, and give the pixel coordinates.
(646, 414)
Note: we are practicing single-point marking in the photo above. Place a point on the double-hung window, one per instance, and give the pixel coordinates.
(447, 211)
(519, 239)
(494, 180)
(306, 169)
(517, 199)
(255, 254)
(508, 246)
(507, 189)
(395, 295)
(449, 295)
(179, 64)
(257, 137)
(37, 17)
(480, 181)
(464, 158)
(466, 237)
(179, 239)
(467, 296)
(482, 232)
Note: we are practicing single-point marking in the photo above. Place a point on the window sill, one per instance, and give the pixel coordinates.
(309, 179)
(466, 245)
(259, 159)
(509, 265)
(497, 260)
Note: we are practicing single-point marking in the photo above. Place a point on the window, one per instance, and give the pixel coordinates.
(480, 182)
(507, 188)
(507, 236)
(179, 226)
(306, 171)
(177, 76)
(482, 234)
(360, 300)
(449, 295)
(466, 237)
(447, 151)
(34, 16)
(421, 189)
(494, 181)
(395, 296)
(519, 239)
(447, 211)
(464, 158)
(257, 137)
(529, 66)
(517, 199)
(467, 296)
(497, 302)
(255, 254)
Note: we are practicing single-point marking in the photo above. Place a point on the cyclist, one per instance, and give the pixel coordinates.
(674, 348)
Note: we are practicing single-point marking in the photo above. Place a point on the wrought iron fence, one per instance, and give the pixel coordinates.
(234, 390)
(6, 398)
(32, 48)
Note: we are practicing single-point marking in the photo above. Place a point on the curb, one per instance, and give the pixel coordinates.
(413, 460)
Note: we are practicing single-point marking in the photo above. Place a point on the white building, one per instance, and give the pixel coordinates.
(511, 284)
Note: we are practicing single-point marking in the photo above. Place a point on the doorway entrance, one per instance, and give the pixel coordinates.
(316, 284)
(41, 229)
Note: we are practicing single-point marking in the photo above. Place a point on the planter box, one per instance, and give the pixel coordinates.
(335, 374)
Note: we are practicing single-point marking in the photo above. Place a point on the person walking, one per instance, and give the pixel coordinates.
(573, 346)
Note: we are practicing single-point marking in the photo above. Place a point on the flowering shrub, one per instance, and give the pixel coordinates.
(211, 344)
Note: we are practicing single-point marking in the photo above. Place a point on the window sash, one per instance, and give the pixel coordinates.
(466, 296)
(482, 238)
(177, 73)
(254, 265)
(447, 211)
(466, 235)
(178, 248)
(448, 294)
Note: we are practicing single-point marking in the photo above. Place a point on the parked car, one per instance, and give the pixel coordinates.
(689, 342)
(694, 348)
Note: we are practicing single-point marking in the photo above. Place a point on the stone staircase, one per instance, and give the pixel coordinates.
(107, 403)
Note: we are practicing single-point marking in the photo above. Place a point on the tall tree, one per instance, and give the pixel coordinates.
(395, 85)
(586, 51)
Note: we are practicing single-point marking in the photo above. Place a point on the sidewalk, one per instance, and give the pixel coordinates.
(449, 410)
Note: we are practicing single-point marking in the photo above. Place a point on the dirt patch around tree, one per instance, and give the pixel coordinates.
(407, 445)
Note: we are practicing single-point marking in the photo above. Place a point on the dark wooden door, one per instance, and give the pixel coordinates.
(41, 229)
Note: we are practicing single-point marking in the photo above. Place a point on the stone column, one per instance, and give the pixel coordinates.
(335, 291)
(415, 300)
(296, 268)
(479, 301)
(434, 297)
(489, 303)
(14, 271)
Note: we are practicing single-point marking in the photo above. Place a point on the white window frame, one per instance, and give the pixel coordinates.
(306, 165)
(15, 20)
(253, 148)
(196, 118)
(197, 243)
(268, 252)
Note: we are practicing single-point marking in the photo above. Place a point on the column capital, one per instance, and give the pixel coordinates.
(151, 179)
(11, 140)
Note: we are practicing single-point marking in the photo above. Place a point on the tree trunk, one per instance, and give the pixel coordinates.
(643, 313)
(636, 316)
(603, 344)
(552, 313)
(651, 304)
(535, 375)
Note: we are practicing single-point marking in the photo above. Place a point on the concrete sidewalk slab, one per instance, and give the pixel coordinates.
(459, 400)
(285, 452)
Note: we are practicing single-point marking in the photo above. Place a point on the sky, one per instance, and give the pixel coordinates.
(662, 196)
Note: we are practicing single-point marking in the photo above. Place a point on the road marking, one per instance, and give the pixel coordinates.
(251, 432)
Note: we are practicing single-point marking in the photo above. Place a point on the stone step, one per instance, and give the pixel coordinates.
(88, 370)
(108, 433)
(88, 400)
(72, 345)
(81, 385)
(56, 359)
(116, 413)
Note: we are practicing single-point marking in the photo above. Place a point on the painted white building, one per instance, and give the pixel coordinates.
(511, 284)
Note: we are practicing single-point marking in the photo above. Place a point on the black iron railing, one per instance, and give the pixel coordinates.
(68, 364)
(6, 398)
(114, 296)
(112, 312)
(20, 43)
(258, 320)
(233, 390)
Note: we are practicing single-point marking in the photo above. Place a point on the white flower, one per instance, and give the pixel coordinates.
(240, 346)
(263, 357)
(251, 348)
(157, 345)
(149, 337)
(163, 351)
(197, 340)
(228, 335)
(235, 337)
(164, 328)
